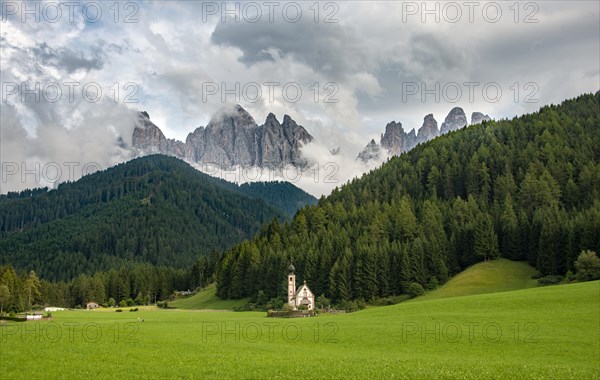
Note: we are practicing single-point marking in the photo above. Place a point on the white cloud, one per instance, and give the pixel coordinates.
(171, 53)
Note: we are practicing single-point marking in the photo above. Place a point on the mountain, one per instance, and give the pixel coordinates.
(478, 118)
(522, 189)
(371, 152)
(456, 119)
(395, 141)
(155, 209)
(231, 138)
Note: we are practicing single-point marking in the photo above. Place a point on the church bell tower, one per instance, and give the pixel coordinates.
(291, 285)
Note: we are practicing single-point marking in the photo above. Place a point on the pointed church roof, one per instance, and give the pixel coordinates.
(300, 288)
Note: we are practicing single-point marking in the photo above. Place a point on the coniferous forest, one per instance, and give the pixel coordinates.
(524, 189)
(156, 210)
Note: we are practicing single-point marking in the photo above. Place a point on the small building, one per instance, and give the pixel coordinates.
(91, 305)
(302, 296)
(52, 309)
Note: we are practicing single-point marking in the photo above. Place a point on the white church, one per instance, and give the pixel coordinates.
(301, 296)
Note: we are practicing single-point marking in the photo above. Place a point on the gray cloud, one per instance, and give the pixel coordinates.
(333, 49)
(67, 59)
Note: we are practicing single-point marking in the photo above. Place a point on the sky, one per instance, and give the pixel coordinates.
(74, 74)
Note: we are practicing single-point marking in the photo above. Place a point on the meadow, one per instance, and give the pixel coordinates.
(549, 332)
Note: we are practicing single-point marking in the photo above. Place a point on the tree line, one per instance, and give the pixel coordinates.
(524, 189)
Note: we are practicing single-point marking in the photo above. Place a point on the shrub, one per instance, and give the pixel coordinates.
(123, 303)
(250, 306)
(415, 289)
(550, 280)
(118, 311)
(135, 309)
(287, 307)
(275, 304)
(350, 306)
(433, 283)
(323, 302)
(588, 266)
(130, 302)
(13, 318)
(111, 302)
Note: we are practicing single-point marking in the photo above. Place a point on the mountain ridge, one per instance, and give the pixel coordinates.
(231, 138)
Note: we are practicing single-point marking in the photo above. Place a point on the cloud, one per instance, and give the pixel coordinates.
(366, 58)
(67, 59)
(332, 49)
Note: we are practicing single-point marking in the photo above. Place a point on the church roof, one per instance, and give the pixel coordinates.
(300, 288)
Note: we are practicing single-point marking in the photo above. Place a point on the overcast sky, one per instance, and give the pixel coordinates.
(358, 65)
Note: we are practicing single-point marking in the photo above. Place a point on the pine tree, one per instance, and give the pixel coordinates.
(486, 241)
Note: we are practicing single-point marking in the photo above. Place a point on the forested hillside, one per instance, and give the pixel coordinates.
(282, 195)
(524, 189)
(155, 209)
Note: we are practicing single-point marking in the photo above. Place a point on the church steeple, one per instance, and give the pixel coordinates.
(291, 285)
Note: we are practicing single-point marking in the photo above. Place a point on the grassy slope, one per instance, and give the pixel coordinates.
(207, 299)
(499, 275)
(549, 332)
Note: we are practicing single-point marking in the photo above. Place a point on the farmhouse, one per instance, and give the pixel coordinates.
(301, 296)
(92, 305)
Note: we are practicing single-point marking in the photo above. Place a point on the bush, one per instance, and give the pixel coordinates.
(250, 306)
(433, 283)
(136, 309)
(275, 304)
(163, 304)
(323, 302)
(350, 306)
(415, 289)
(13, 318)
(111, 302)
(118, 311)
(588, 266)
(287, 307)
(550, 280)
(382, 301)
(123, 303)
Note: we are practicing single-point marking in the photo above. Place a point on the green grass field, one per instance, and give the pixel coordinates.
(500, 275)
(207, 299)
(549, 332)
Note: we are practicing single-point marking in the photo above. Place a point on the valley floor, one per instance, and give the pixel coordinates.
(551, 332)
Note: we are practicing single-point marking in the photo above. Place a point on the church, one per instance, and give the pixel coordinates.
(301, 296)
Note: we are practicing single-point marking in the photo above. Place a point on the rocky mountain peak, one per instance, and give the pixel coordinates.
(478, 117)
(231, 138)
(429, 130)
(232, 118)
(371, 152)
(456, 119)
(393, 138)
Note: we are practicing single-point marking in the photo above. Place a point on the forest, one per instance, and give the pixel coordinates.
(524, 189)
(154, 209)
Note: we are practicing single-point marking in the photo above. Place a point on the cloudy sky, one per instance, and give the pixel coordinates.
(74, 75)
